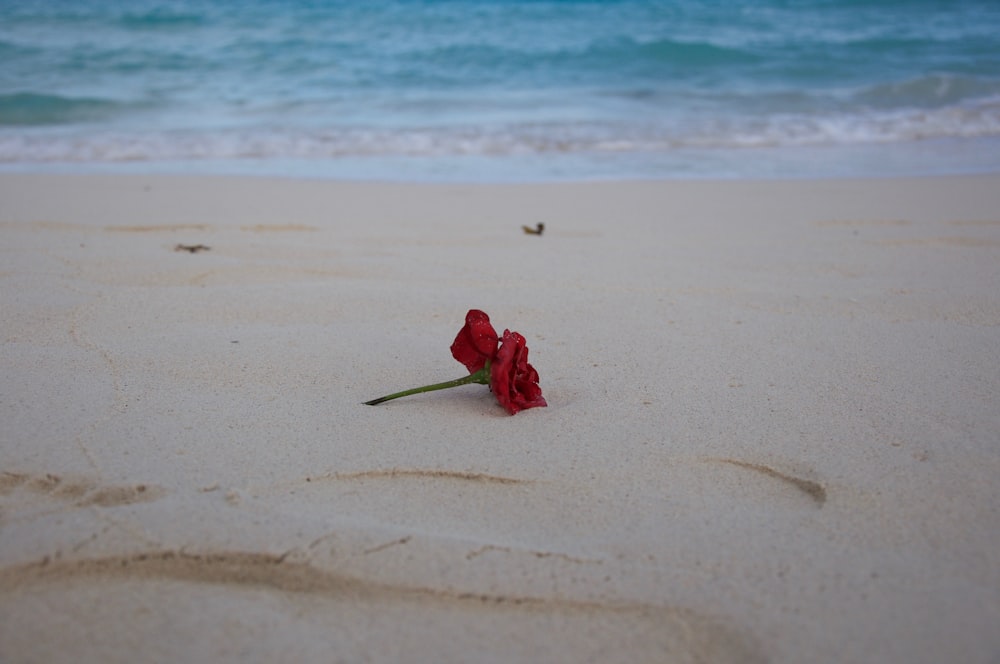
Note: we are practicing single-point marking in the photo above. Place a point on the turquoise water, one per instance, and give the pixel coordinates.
(501, 89)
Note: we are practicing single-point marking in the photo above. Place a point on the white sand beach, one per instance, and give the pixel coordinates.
(772, 433)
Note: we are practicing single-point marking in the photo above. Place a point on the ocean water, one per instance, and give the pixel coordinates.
(502, 89)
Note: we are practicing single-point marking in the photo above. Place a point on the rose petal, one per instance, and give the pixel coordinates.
(476, 343)
(512, 379)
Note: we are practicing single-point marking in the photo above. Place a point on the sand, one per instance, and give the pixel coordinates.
(773, 430)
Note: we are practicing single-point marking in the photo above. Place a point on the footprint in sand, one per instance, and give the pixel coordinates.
(77, 490)
(395, 473)
(140, 592)
(461, 476)
(804, 487)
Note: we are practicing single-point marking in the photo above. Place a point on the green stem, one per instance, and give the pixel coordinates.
(482, 377)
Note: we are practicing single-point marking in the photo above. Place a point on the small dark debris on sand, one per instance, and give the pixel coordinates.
(192, 248)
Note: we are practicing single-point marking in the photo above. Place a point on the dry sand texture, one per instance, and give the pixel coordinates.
(773, 430)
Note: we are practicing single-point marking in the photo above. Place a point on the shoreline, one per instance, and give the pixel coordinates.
(939, 157)
(771, 431)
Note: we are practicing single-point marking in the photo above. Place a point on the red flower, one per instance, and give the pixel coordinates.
(512, 379)
(476, 343)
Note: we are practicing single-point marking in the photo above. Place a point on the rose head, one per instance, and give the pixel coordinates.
(476, 343)
(515, 382)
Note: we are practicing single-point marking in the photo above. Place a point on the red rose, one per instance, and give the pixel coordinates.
(514, 382)
(476, 343)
